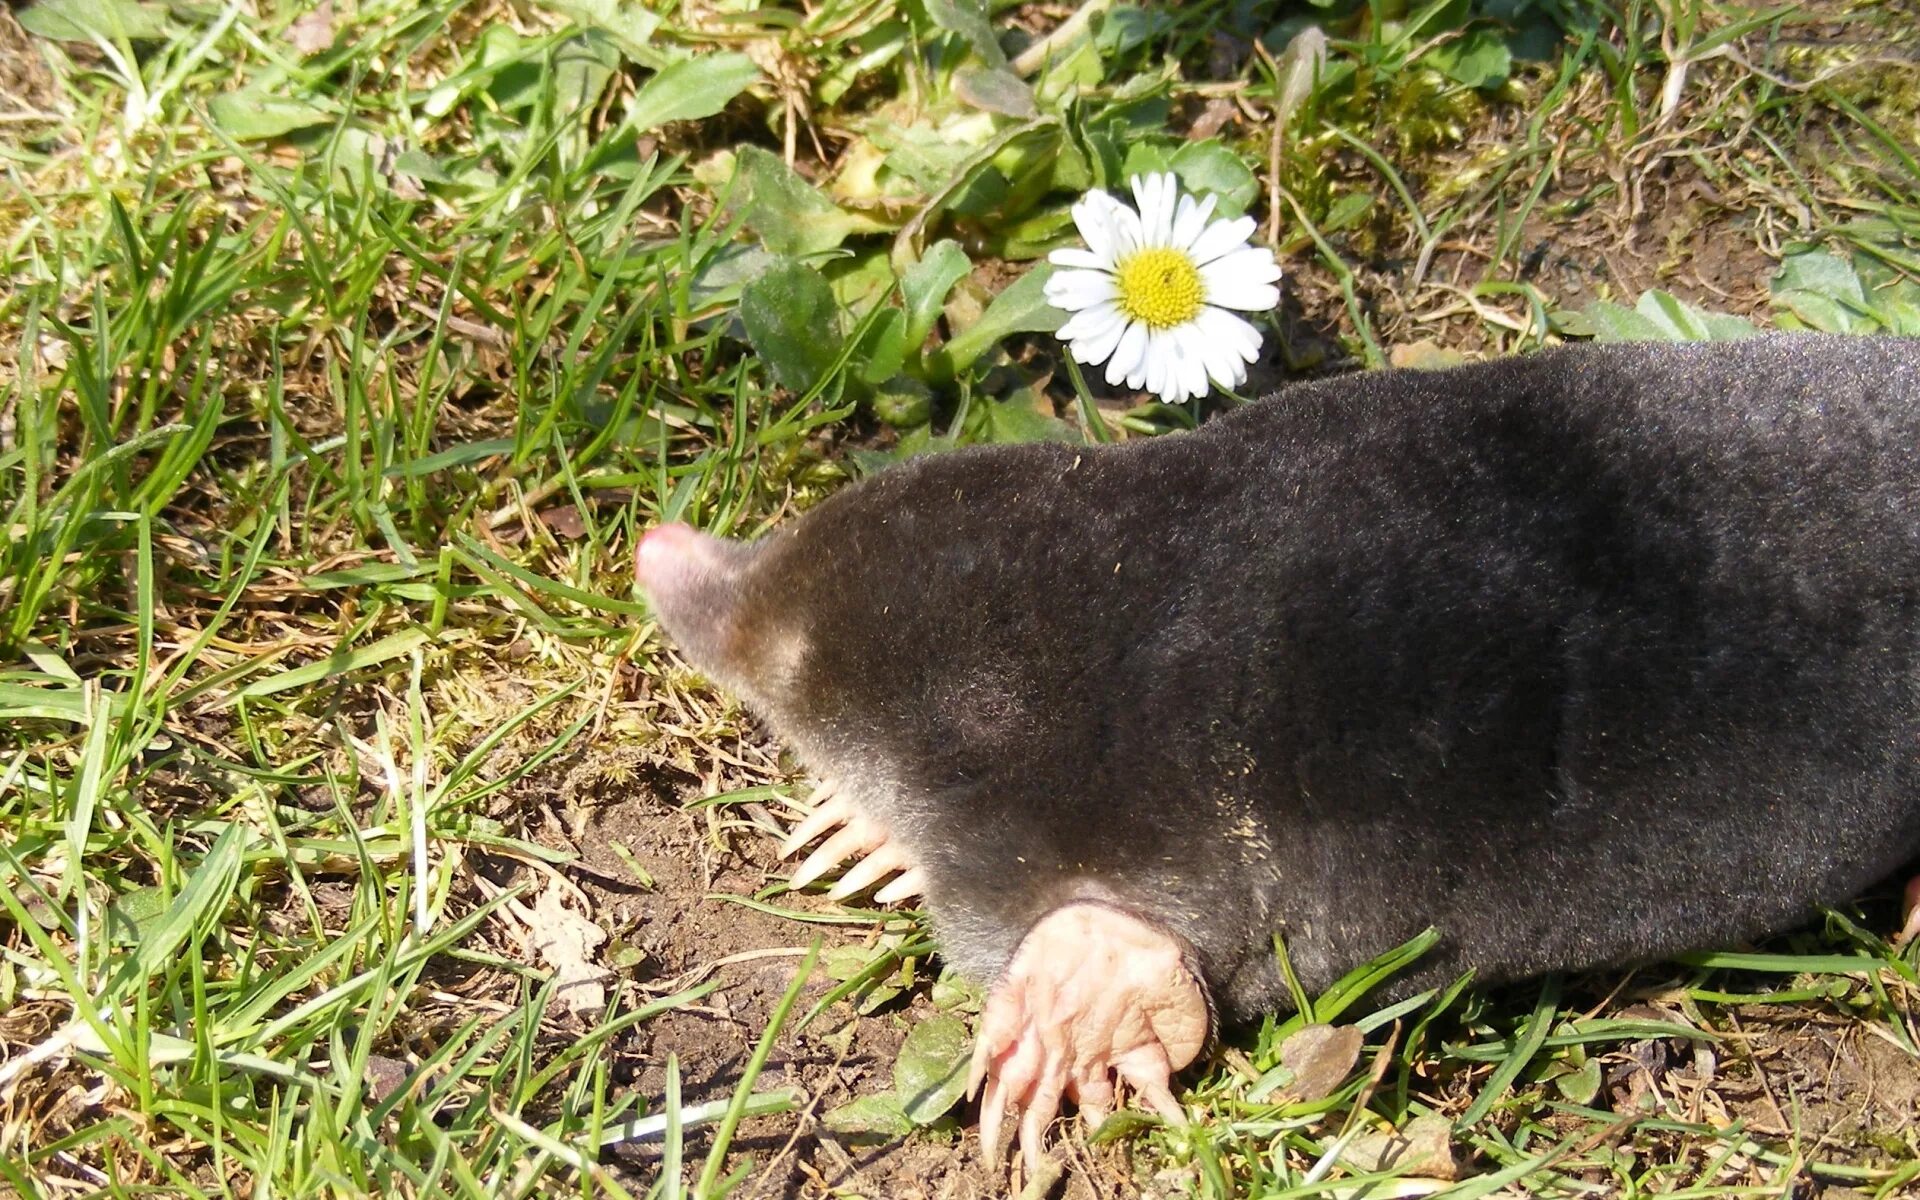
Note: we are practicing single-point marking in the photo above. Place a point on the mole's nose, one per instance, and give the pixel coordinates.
(664, 554)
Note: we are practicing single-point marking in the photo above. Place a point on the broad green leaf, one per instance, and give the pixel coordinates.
(134, 915)
(88, 20)
(1477, 59)
(1818, 271)
(1210, 167)
(996, 90)
(1346, 212)
(690, 89)
(931, 1072)
(925, 285)
(582, 67)
(1016, 420)
(251, 115)
(628, 21)
(792, 323)
(1824, 291)
(876, 976)
(1143, 158)
(1021, 308)
(968, 18)
(1581, 1086)
(1662, 317)
(789, 214)
(883, 351)
(206, 893)
(874, 1116)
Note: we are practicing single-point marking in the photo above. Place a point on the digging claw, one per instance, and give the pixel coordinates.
(908, 884)
(829, 809)
(853, 835)
(1092, 994)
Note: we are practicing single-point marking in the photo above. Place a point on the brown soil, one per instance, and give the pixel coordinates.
(689, 935)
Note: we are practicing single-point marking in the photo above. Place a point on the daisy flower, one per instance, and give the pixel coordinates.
(1150, 293)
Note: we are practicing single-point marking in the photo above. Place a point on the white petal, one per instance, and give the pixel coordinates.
(1154, 369)
(1091, 320)
(1093, 217)
(1243, 279)
(1231, 289)
(1128, 354)
(1190, 345)
(1155, 194)
(1126, 231)
(1224, 364)
(1191, 219)
(1074, 256)
(1102, 336)
(1228, 331)
(1075, 290)
(1221, 237)
(1169, 205)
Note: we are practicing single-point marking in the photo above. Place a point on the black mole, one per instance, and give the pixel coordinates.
(1583, 658)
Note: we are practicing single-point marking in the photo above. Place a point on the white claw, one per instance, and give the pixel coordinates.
(993, 1110)
(868, 871)
(857, 837)
(830, 811)
(910, 882)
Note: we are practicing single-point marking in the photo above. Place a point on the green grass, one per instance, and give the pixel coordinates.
(346, 359)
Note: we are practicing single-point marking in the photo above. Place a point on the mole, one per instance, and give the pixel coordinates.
(1582, 658)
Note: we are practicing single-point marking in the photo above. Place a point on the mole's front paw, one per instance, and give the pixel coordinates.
(855, 834)
(1092, 994)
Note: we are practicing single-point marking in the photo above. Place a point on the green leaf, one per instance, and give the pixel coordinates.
(903, 402)
(133, 916)
(458, 455)
(1210, 167)
(792, 323)
(1007, 421)
(253, 114)
(931, 1072)
(1478, 59)
(883, 351)
(1581, 1086)
(203, 898)
(996, 90)
(1662, 317)
(870, 1115)
(90, 20)
(1823, 290)
(1021, 308)
(968, 18)
(925, 285)
(788, 213)
(627, 21)
(343, 661)
(1346, 212)
(581, 68)
(690, 89)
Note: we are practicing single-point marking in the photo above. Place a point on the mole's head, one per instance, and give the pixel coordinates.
(898, 624)
(700, 588)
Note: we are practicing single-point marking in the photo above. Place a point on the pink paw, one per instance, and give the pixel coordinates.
(1092, 995)
(855, 835)
(1910, 903)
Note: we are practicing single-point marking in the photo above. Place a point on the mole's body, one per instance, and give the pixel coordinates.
(1583, 658)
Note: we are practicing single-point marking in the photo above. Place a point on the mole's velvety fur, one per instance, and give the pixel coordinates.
(1583, 658)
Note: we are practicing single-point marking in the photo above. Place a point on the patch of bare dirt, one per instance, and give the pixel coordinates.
(686, 933)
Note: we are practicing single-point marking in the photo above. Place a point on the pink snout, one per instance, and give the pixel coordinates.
(666, 555)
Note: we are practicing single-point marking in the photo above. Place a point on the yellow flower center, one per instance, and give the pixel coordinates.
(1160, 287)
